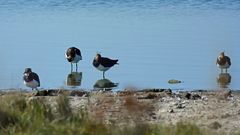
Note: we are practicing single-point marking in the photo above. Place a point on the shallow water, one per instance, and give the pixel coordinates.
(154, 40)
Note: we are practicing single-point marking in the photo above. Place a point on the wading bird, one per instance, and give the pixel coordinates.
(103, 63)
(31, 79)
(223, 62)
(73, 55)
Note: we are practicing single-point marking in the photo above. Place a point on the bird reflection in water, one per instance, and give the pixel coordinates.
(224, 79)
(74, 79)
(104, 84)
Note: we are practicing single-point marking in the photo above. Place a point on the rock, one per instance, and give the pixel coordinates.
(196, 97)
(224, 95)
(201, 91)
(51, 92)
(205, 98)
(153, 90)
(188, 95)
(40, 93)
(168, 92)
(228, 93)
(171, 111)
(151, 96)
(215, 125)
(174, 81)
(153, 115)
(126, 93)
(74, 79)
(226, 115)
(105, 83)
(180, 106)
(79, 93)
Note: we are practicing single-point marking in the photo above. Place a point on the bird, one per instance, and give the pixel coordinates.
(103, 63)
(223, 62)
(31, 79)
(73, 55)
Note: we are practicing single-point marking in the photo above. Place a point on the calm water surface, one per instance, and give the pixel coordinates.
(154, 40)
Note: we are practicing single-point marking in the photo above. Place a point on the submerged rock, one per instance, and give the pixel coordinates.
(105, 84)
(74, 79)
(173, 81)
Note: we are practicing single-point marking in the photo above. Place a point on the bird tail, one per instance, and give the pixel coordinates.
(116, 62)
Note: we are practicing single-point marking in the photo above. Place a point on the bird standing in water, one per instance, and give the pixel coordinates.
(223, 62)
(103, 63)
(31, 79)
(73, 55)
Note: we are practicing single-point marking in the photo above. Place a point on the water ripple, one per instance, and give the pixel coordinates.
(140, 4)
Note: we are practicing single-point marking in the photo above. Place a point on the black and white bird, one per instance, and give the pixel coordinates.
(73, 55)
(103, 64)
(223, 62)
(31, 79)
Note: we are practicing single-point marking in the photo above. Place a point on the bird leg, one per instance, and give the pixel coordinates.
(76, 67)
(103, 74)
(71, 67)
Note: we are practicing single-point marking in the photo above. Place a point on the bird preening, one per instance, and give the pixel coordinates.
(73, 55)
(103, 63)
(223, 62)
(31, 79)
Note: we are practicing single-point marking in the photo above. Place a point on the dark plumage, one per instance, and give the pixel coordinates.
(223, 62)
(103, 64)
(73, 55)
(31, 79)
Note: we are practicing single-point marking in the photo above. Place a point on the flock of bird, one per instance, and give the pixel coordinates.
(73, 55)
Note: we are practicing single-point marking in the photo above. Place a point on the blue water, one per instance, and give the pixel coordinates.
(154, 40)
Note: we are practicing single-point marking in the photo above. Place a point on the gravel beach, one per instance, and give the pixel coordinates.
(217, 110)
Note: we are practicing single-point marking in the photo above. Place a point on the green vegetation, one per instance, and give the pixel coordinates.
(21, 115)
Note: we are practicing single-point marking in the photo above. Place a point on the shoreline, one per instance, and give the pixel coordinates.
(217, 110)
(118, 90)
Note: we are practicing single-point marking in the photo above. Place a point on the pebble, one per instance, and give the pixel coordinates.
(171, 111)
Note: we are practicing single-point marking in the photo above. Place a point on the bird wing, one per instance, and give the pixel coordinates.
(228, 60)
(106, 62)
(36, 78)
(78, 52)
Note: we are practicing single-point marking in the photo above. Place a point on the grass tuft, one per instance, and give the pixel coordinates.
(20, 115)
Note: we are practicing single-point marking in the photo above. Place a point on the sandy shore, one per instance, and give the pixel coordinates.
(215, 110)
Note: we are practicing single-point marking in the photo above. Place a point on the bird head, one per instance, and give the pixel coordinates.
(221, 55)
(98, 56)
(27, 70)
